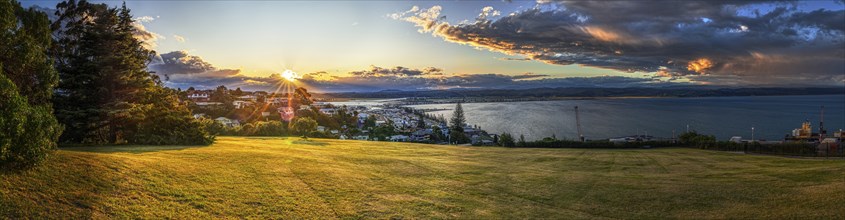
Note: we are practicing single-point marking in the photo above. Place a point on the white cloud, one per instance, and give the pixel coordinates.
(179, 38)
(144, 19)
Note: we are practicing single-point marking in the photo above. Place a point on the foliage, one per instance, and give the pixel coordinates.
(302, 97)
(456, 124)
(28, 129)
(168, 122)
(106, 94)
(27, 133)
(270, 128)
(521, 142)
(506, 140)
(370, 122)
(693, 138)
(303, 126)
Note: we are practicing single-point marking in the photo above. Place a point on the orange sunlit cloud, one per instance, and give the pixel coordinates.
(699, 65)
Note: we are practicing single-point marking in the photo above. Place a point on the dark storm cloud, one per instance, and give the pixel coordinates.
(375, 71)
(180, 62)
(746, 39)
(354, 82)
(179, 69)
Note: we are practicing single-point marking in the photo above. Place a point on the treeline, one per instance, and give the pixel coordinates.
(708, 142)
(81, 79)
(690, 139)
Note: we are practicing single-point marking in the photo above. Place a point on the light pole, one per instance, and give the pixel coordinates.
(752, 134)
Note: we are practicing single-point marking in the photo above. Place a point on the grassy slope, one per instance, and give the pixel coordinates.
(278, 177)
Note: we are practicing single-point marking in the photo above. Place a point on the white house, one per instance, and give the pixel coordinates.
(399, 137)
(199, 96)
(241, 104)
(228, 122)
(248, 98)
(327, 111)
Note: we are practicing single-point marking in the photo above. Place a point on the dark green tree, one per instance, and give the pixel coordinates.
(421, 122)
(303, 126)
(302, 97)
(456, 127)
(106, 94)
(521, 142)
(458, 121)
(28, 129)
(506, 140)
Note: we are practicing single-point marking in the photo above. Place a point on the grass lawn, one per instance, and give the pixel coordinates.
(294, 179)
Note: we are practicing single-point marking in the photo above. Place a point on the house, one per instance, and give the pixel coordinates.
(361, 137)
(207, 104)
(199, 96)
(321, 128)
(422, 134)
(319, 104)
(198, 116)
(304, 107)
(334, 132)
(278, 101)
(327, 111)
(399, 138)
(286, 113)
(227, 122)
(248, 98)
(239, 104)
(343, 137)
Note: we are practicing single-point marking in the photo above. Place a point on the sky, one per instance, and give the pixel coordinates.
(343, 46)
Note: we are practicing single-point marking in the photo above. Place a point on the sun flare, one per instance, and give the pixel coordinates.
(290, 75)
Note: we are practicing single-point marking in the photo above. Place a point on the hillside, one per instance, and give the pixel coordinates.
(295, 179)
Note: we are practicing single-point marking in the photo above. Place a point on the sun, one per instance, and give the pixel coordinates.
(290, 75)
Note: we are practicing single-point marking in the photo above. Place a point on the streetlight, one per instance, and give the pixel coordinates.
(752, 134)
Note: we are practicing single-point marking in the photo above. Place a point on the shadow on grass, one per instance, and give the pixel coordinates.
(84, 183)
(262, 138)
(135, 149)
(310, 142)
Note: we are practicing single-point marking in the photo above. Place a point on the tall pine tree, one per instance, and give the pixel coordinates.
(106, 94)
(456, 127)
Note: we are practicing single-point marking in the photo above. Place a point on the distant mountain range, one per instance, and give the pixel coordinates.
(683, 91)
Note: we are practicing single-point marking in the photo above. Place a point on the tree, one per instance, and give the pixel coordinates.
(302, 96)
(456, 128)
(303, 126)
(421, 122)
(521, 142)
(506, 140)
(370, 122)
(106, 94)
(269, 128)
(27, 132)
(457, 122)
(237, 92)
(28, 129)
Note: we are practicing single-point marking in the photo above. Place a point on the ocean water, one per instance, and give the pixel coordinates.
(771, 116)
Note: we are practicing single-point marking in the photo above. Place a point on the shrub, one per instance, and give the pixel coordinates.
(27, 133)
